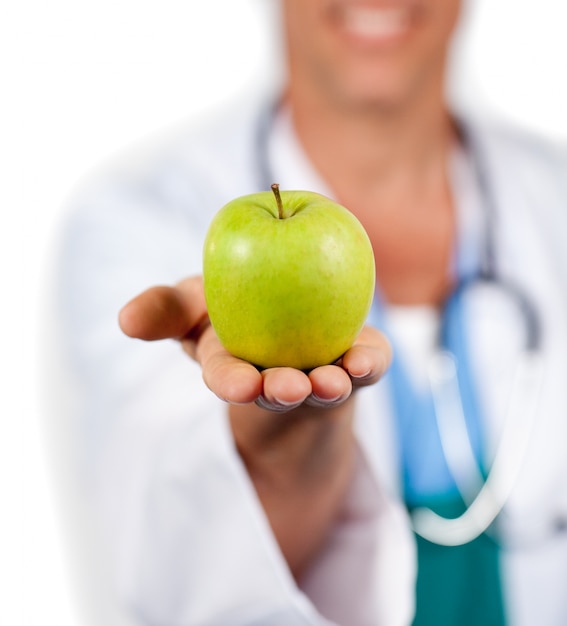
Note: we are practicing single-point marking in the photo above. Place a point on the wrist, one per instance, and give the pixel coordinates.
(301, 464)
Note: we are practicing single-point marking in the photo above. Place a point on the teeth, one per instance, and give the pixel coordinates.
(375, 22)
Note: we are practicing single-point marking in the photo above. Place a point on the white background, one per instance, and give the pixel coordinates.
(81, 80)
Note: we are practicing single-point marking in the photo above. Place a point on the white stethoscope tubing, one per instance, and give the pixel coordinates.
(492, 493)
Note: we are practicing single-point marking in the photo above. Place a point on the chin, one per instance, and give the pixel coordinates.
(386, 92)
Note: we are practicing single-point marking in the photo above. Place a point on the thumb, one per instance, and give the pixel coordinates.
(165, 312)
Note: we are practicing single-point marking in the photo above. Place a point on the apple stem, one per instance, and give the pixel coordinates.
(276, 190)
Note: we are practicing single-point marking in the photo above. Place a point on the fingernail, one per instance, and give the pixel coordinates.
(316, 401)
(379, 369)
(277, 406)
(365, 374)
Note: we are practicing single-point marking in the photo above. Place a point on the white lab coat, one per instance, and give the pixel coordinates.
(185, 537)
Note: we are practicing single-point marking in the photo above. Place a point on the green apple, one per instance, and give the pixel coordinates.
(288, 278)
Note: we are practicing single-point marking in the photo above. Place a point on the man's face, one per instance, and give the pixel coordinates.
(368, 52)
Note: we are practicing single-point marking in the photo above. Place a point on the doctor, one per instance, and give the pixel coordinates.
(273, 498)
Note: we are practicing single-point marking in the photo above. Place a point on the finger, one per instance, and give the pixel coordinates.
(165, 312)
(369, 358)
(231, 379)
(284, 389)
(331, 385)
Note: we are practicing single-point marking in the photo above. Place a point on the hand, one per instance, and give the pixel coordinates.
(180, 313)
(301, 465)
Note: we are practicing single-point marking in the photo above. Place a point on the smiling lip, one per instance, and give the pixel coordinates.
(372, 24)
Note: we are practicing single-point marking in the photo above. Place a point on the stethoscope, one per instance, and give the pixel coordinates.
(484, 494)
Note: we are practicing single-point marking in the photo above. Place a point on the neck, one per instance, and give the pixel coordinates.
(390, 168)
(375, 150)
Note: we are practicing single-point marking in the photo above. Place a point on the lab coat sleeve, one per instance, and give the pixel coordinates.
(366, 574)
(185, 536)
